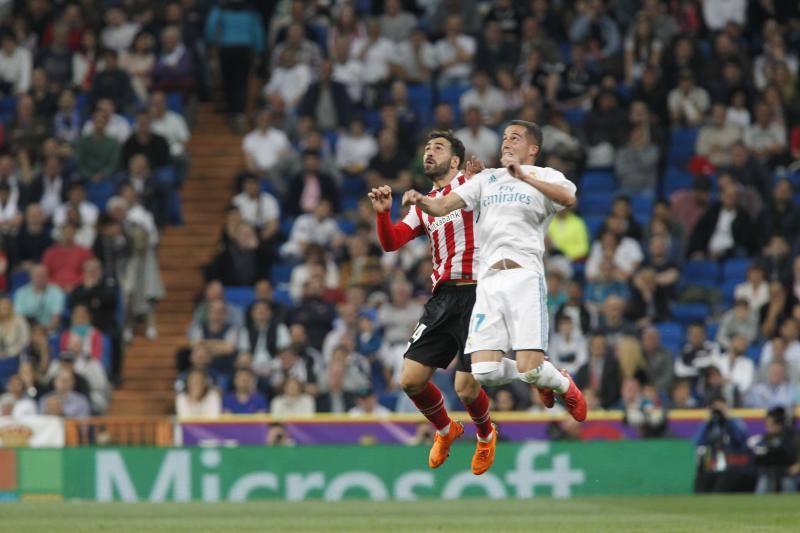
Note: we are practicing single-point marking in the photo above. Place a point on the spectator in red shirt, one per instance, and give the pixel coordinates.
(81, 337)
(64, 260)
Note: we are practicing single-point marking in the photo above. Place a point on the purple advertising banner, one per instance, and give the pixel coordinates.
(403, 429)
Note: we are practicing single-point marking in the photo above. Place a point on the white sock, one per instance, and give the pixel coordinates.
(488, 437)
(445, 430)
(546, 376)
(509, 368)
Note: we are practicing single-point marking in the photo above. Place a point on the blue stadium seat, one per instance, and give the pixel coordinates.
(575, 116)
(670, 331)
(420, 96)
(347, 226)
(350, 202)
(281, 296)
(8, 367)
(682, 145)
(268, 187)
(642, 203)
(286, 226)
(166, 176)
(711, 330)
(353, 186)
(18, 279)
(676, 178)
(372, 120)
(332, 137)
(175, 102)
(174, 211)
(728, 288)
(8, 107)
(99, 192)
(593, 223)
(597, 181)
(240, 296)
(690, 312)
(280, 273)
(452, 95)
(735, 269)
(106, 353)
(595, 203)
(703, 273)
(754, 353)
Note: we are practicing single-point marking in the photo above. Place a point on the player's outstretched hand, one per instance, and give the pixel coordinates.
(381, 198)
(412, 197)
(473, 166)
(511, 163)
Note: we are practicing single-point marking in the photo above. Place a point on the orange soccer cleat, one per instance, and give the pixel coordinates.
(547, 396)
(574, 400)
(440, 450)
(484, 454)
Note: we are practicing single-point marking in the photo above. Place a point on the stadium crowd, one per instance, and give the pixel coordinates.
(673, 282)
(92, 155)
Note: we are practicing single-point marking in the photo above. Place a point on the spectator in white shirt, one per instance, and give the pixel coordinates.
(118, 127)
(169, 124)
(318, 227)
(736, 368)
(625, 252)
(367, 406)
(16, 66)
(775, 391)
(755, 291)
(782, 349)
(454, 53)
(259, 209)
(15, 402)
(737, 114)
(568, 349)
(687, 102)
(348, 70)
(414, 59)
(374, 51)
(718, 13)
(774, 53)
(716, 138)
(479, 140)
(737, 322)
(400, 314)
(289, 80)
(76, 197)
(118, 34)
(355, 149)
(766, 137)
(486, 97)
(293, 401)
(265, 147)
(200, 398)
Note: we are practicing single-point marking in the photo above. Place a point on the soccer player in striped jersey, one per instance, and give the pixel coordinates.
(515, 204)
(441, 332)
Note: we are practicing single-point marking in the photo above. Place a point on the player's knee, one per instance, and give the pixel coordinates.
(412, 385)
(487, 373)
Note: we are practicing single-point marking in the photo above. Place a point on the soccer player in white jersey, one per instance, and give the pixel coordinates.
(513, 207)
(441, 332)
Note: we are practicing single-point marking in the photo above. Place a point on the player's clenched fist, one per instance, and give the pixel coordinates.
(381, 198)
(512, 165)
(412, 197)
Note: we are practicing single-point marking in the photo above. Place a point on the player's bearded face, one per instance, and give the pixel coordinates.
(435, 165)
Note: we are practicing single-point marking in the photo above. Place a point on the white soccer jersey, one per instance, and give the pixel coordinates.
(512, 216)
(453, 245)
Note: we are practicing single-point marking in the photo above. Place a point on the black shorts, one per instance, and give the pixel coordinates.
(442, 331)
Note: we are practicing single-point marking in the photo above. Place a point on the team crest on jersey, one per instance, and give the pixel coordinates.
(492, 178)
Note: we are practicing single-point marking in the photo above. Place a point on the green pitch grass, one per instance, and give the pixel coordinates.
(727, 514)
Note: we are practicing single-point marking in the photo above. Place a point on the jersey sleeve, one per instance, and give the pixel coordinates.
(470, 191)
(557, 178)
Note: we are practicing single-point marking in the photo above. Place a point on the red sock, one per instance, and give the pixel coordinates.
(430, 403)
(479, 411)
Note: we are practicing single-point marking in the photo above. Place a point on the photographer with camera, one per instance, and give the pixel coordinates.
(724, 462)
(776, 454)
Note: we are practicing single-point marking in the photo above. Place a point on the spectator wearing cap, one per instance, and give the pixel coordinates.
(367, 405)
(723, 230)
(97, 154)
(64, 400)
(687, 102)
(312, 185)
(244, 398)
(39, 300)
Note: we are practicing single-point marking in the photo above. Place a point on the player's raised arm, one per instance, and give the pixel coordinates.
(553, 191)
(436, 207)
(391, 236)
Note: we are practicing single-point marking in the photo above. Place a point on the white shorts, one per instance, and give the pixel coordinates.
(510, 312)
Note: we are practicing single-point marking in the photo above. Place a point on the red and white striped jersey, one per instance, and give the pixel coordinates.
(454, 244)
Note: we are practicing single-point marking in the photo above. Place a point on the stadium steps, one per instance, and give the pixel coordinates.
(149, 367)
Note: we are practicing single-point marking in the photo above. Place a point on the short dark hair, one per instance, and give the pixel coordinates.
(456, 146)
(531, 128)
